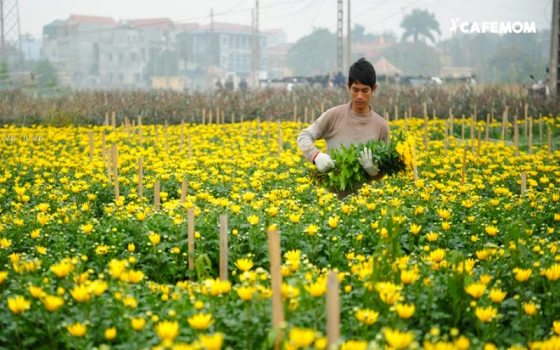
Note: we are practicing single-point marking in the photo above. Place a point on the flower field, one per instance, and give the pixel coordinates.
(452, 260)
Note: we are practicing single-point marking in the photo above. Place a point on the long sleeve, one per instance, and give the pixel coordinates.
(316, 131)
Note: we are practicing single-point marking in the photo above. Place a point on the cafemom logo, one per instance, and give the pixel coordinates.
(492, 27)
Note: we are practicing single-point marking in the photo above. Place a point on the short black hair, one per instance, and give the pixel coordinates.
(363, 72)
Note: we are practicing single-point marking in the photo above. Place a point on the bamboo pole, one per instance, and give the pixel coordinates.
(103, 146)
(190, 223)
(90, 134)
(114, 121)
(140, 178)
(396, 112)
(333, 310)
(305, 115)
(276, 283)
(523, 183)
(473, 125)
(462, 128)
(488, 116)
(504, 125)
(156, 195)
(223, 247)
(183, 191)
(549, 141)
(116, 171)
(106, 119)
(516, 134)
(530, 150)
(540, 128)
(479, 142)
(526, 116)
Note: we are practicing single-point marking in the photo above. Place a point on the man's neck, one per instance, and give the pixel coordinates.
(362, 110)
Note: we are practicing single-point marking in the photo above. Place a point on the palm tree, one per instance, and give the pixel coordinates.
(420, 23)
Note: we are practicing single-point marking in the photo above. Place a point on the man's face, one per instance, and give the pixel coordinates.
(361, 94)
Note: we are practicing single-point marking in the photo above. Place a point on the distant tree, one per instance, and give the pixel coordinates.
(512, 64)
(46, 74)
(313, 53)
(420, 23)
(414, 58)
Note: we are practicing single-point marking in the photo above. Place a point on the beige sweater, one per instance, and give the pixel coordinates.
(341, 125)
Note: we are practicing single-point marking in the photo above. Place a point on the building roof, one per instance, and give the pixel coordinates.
(163, 22)
(385, 68)
(82, 19)
(186, 26)
(228, 27)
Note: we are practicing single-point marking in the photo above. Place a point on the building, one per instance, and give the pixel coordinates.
(72, 46)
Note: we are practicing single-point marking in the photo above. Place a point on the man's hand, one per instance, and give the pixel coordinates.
(366, 161)
(324, 162)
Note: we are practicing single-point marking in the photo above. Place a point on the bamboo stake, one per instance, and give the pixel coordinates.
(516, 134)
(523, 183)
(106, 119)
(156, 195)
(473, 125)
(190, 223)
(396, 112)
(322, 108)
(405, 121)
(462, 128)
(305, 115)
(530, 150)
(452, 123)
(488, 116)
(504, 125)
(479, 141)
(333, 310)
(109, 160)
(203, 116)
(312, 115)
(526, 115)
(183, 191)
(90, 134)
(425, 127)
(223, 247)
(103, 146)
(116, 171)
(464, 168)
(140, 178)
(276, 283)
(140, 129)
(549, 141)
(540, 128)
(114, 121)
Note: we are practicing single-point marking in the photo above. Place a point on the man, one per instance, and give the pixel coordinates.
(351, 123)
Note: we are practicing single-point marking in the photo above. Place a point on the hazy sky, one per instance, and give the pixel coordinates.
(295, 17)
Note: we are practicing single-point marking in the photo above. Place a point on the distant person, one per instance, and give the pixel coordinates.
(219, 84)
(243, 84)
(339, 80)
(351, 123)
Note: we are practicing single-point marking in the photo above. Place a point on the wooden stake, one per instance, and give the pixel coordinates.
(504, 125)
(103, 147)
(223, 247)
(109, 160)
(479, 141)
(90, 134)
(464, 168)
(312, 115)
(549, 141)
(322, 108)
(425, 128)
(203, 115)
(114, 121)
(156, 195)
(106, 119)
(462, 128)
(210, 117)
(333, 310)
(516, 134)
(280, 142)
(276, 282)
(526, 116)
(451, 123)
(523, 183)
(305, 115)
(540, 128)
(241, 118)
(487, 127)
(530, 150)
(190, 224)
(140, 178)
(232, 118)
(396, 112)
(140, 129)
(183, 191)
(473, 125)
(116, 171)
(405, 121)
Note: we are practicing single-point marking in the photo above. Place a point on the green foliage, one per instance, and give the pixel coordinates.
(313, 53)
(420, 23)
(46, 74)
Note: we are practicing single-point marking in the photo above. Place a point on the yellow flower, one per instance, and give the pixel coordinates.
(415, 229)
(36, 292)
(130, 302)
(432, 237)
(530, 308)
(87, 228)
(244, 264)
(35, 233)
(52, 302)
(155, 238)
(212, 341)
(522, 275)
(462, 343)
(5, 243)
(110, 333)
(354, 345)
(3, 276)
(485, 279)
(140, 216)
(81, 293)
(556, 327)
(321, 343)
(445, 225)
(409, 276)
(312, 230)
(497, 295)
(317, 289)
(294, 218)
(437, 255)
(475, 290)
(246, 292)
(18, 304)
(397, 339)
(167, 331)
(553, 272)
(131, 247)
(367, 316)
(491, 230)
(302, 337)
(201, 321)
(389, 293)
(253, 219)
(486, 314)
(405, 310)
(77, 330)
(135, 276)
(333, 222)
(272, 211)
(444, 214)
(138, 323)
(102, 250)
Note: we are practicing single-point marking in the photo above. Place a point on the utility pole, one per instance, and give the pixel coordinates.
(11, 53)
(554, 77)
(253, 51)
(349, 43)
(339, 46)
(258, 46)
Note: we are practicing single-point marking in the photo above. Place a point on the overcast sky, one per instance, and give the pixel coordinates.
(296, 17)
